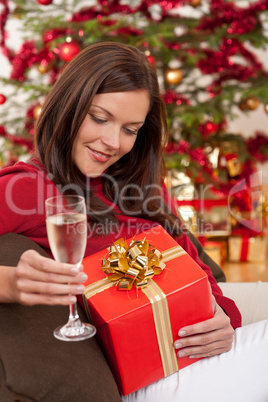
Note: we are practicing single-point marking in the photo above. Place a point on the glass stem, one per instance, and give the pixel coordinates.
(73, 314)
(74, 319)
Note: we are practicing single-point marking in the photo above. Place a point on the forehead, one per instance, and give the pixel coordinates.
(129, 103)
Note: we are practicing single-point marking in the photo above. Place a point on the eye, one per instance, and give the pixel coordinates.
(129, 131)
(97, 119)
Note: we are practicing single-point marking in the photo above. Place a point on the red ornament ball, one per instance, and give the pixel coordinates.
(2, 99)
(208, 128)
(44, 2)
(68, 50)
(151, 59)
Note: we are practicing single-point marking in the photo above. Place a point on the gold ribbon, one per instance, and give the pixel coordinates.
(163, 327)
(133, 264)
(159, 305)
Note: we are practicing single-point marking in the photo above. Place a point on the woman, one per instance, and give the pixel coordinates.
(100, 134)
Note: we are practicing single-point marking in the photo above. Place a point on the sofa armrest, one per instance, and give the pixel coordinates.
(13, 245)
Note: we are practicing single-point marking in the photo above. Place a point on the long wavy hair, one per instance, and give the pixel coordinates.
(104, 68)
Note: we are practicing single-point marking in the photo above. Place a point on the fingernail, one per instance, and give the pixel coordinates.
(177, 345)
(181, 353)
(192, 357)
(84, 277)
(182, 333)
(74, 270)
(80, 289)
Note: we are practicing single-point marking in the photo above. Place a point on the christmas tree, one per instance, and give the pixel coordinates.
(204, 52)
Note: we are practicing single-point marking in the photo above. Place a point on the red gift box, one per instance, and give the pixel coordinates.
(137, 328)
(247, 245)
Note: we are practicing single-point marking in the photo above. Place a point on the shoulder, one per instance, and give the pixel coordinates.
(23, 186)
(30, 168)
(22, 175)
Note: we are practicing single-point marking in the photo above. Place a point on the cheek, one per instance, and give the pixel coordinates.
(128, 144)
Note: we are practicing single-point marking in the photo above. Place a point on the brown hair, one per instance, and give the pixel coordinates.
(103, 68)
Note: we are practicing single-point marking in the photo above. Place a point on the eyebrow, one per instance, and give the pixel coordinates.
(110, 114)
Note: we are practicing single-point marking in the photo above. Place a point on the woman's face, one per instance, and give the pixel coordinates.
(109, 130)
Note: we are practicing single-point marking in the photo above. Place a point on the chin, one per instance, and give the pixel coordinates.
(94, 175)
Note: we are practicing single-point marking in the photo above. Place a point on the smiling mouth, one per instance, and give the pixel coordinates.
(100, 156)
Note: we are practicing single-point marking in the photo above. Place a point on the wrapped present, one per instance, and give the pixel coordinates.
(233, 164)
(245, 201)
(207, 217)
(217, 250)
(247, 247)
(139, 293)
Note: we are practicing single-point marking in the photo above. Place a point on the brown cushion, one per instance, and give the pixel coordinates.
(13, 245)
(34, 366)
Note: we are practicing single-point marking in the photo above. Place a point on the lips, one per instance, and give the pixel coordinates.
(99, 156)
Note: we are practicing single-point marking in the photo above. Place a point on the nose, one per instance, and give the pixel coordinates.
(111, 138)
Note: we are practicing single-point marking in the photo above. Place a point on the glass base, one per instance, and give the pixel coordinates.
(72, 333)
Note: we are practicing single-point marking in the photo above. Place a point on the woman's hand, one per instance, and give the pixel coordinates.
(41, 280)
(207, 338)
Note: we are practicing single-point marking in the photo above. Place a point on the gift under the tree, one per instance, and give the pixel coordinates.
(138, 325)
(246, 204)
(217, 250)
(245, 246)
(205, 217)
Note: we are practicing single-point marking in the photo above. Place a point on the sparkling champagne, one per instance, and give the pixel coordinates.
(67, 236)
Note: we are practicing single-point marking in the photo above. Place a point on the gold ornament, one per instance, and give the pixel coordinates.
(250, 103)
(173, 76)
(44, 67)
(266, 108)
(195, 3)
(37, 111)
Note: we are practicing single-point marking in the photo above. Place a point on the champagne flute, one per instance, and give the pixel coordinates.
(66, 222)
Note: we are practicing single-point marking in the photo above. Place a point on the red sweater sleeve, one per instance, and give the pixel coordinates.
(225, 303)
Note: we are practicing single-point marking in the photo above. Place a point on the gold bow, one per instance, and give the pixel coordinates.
(133, 264)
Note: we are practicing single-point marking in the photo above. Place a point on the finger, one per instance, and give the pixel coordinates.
(31, 299)
(219, 321)
(199, 328)
(31, 273)
(208, 350)
(205, 340)
(213, 350)
(48, 288)
(45, 264)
